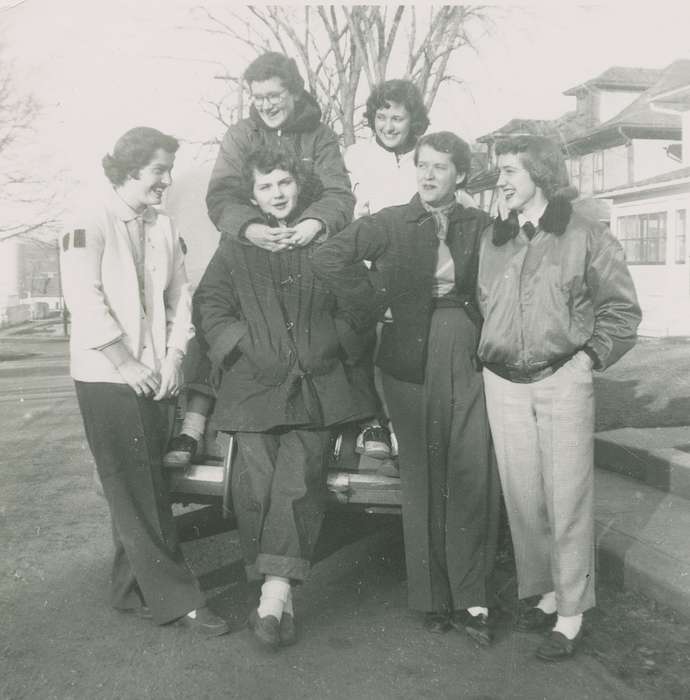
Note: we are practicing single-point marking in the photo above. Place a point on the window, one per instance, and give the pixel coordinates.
(598, 171)
(643, 238)
(680, 236)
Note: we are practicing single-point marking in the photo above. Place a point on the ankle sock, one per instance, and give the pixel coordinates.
(288, 608)
(547, 604)
(194, 425)
(569, 625)
(477, 610)
(274, 593)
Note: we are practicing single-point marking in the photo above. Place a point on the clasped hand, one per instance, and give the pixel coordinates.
(147, 382)
(278, 239)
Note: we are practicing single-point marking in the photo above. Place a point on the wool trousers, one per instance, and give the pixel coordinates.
(450, 497)
(126, 435)
(543, 434)
(278, 490)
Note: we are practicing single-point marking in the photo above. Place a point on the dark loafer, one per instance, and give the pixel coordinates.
(437, 623)
(557, 647)
(535, 620)
(266, 629)
(142, 612)
(288, 631)
(477, 627)
(205, 623)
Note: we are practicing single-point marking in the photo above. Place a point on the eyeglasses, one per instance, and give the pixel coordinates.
(272, 98)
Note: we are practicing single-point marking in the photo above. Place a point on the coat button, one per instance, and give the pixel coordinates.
(289, 325)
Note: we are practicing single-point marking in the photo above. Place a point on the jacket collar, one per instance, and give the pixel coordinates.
(554, 220)
(416, 211)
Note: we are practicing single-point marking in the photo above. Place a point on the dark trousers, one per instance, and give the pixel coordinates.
(278, 489)
(449, 482)
(126, 435)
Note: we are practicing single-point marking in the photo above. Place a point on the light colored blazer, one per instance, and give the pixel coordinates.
(100, 286)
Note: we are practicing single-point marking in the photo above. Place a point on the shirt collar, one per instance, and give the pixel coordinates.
(534, 219)
(125, 213)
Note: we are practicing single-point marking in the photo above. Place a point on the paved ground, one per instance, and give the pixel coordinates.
(59, 640)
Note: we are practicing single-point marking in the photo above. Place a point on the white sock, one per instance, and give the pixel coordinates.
(274, 593)
(569, 625)
(477, 610)
(547, 603)
(287, 608)
(194, 425)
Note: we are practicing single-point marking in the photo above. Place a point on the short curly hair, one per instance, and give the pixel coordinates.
(543, 159)
(133, 151)
(266, 159)
(404, 92)
(275, 65)
(450, 143)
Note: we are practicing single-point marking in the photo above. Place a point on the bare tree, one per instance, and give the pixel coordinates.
(337, 45)
(25, 198)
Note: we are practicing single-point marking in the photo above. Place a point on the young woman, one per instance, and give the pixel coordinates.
(126, 288)
(425, 255)
(286, 381)
(283, 114)
(558, 301)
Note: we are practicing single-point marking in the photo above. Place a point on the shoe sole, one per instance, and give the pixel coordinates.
(382, 452)
(218, 631)
(177, 460)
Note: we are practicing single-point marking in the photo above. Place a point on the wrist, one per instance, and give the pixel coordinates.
(175, 355)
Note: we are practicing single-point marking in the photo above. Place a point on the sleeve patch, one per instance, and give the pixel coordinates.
(65, 242)
(183, 245)
(79, 238)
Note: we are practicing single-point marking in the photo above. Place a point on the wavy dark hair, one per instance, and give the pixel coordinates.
(406, 93)
(453, 145)
(543, 159)
(275, 65)
(133, 151)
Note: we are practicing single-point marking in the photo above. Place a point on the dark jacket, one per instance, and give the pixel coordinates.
(402, 243)
(568, 289)
(316, 146)
(269, 324)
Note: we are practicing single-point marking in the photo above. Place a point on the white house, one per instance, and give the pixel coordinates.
(627, 145)
(650, 218)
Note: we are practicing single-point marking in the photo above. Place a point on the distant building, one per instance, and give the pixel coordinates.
(627, 146)
(650, 218)
(29, 280)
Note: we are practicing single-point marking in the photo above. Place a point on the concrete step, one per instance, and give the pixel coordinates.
(657, 457)
(642, 539)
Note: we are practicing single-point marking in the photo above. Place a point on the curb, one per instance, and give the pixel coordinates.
(641, 539)
(648, 455)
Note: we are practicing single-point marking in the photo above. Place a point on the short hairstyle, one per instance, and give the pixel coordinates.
(275, 65)
(543, 159)
(448, 142)
(266, 159)
(133, 151)
(406, 93)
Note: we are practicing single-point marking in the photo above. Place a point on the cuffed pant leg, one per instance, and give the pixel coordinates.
(565, 417)
(252, 476)
(515, 437)
(294, 518)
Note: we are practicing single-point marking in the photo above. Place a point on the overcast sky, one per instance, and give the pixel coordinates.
(100, 67)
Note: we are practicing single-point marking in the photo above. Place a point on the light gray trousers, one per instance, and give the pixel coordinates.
(543, 434)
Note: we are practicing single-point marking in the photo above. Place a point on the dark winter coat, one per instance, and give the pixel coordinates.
(269, 324)
(316, 146)
(402, 243)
